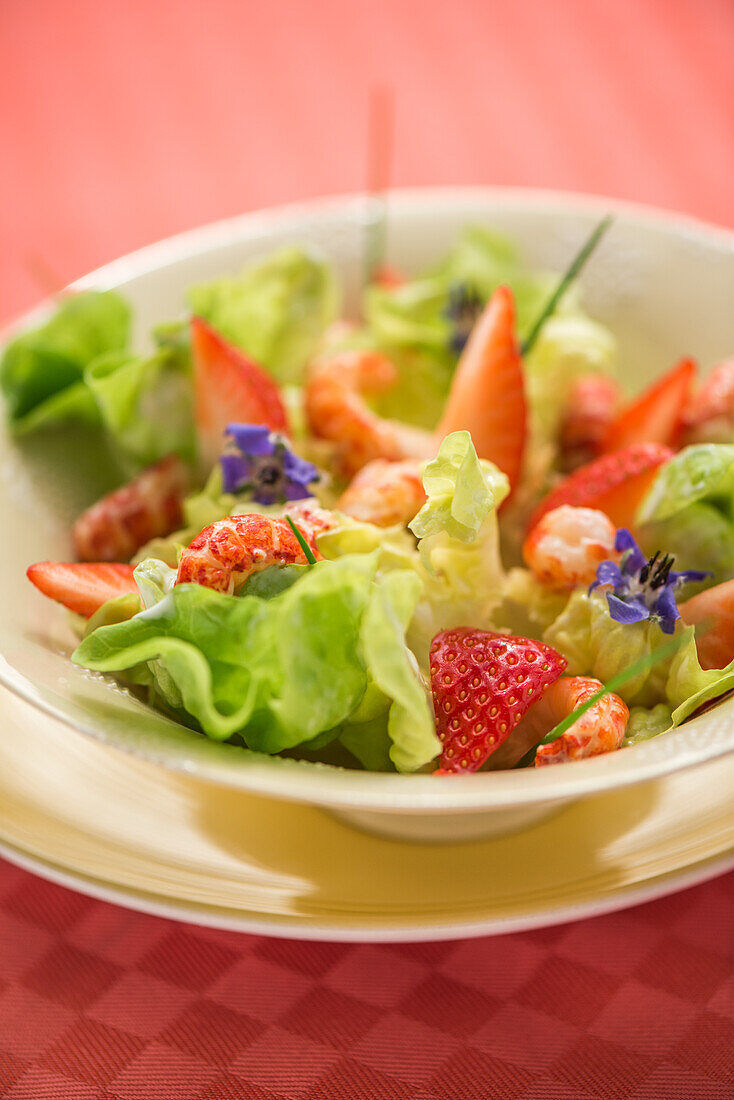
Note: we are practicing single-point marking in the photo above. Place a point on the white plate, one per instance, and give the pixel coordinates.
(130, 832)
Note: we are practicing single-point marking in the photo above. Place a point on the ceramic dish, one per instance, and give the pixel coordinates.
(130, 832)
(663, 284)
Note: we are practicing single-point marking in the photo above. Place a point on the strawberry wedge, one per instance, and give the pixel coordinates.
(487, 395)
(482, 685)
(658, 414)
(229, 387)
(82, 586)
(614, 484)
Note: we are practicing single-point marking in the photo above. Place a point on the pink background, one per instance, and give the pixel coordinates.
(123, 121)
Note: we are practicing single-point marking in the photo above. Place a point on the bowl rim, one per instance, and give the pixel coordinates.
(322, 784)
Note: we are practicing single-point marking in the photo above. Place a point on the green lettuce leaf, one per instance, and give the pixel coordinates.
(595, 645)
(370, 743)
(275, 310)
(154, 579)
(704, 472)
(461, 490)
(700, 536)
(645, 723)
(282, 670)
(117, 610)
(690, 510)
(146, 402)
(458, 550)
(41, 371)
(529, 606)
(394, 671)
(280, 664)
(689, 686)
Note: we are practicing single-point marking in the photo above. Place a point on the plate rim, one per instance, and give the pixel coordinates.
(141, 901)
(84, 857)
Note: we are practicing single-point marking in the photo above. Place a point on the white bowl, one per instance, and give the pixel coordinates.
(663, 283)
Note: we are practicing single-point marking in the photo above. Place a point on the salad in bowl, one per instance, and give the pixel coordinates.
(433, 537)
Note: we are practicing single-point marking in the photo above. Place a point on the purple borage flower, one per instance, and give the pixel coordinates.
(261, 463)
(642, 588)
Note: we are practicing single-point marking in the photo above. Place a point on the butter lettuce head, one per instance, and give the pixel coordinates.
(414, 313)
(275, 310)
(595, 645)
(284, 668)
(409, 322)
(458, 543)
(690, 510)
(41, 371)
(702, 472)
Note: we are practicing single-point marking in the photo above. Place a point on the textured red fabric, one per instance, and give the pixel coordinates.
(123, 123)
(115, 1005)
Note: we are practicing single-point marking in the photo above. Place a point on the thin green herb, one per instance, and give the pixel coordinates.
(660, 654)
(572, 271)
(303, 544)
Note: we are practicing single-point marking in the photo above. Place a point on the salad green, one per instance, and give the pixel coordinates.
(380, 627)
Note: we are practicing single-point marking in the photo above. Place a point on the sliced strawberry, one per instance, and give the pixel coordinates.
(591, 407)
(614, 484)
(710, 415)
(487, 395)
(712, 614)
(229, 387)
(657, 415)
(82, 586)
(482, 685)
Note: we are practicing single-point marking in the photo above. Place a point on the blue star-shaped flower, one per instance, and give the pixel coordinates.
(642, 588)
(261, 463)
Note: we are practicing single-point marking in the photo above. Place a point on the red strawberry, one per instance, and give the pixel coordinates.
(712, 613)
(656, 416)
(82, 586)
(487, 395)
(229, 387)
(147, 507)
(482, 685)
(710, 415)
(590, 409)
(615, 483)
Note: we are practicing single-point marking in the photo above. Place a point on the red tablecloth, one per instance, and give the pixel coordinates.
(123, 122)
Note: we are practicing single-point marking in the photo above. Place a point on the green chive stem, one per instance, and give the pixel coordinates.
(303, 544)
(660, 654)
(572, 271)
